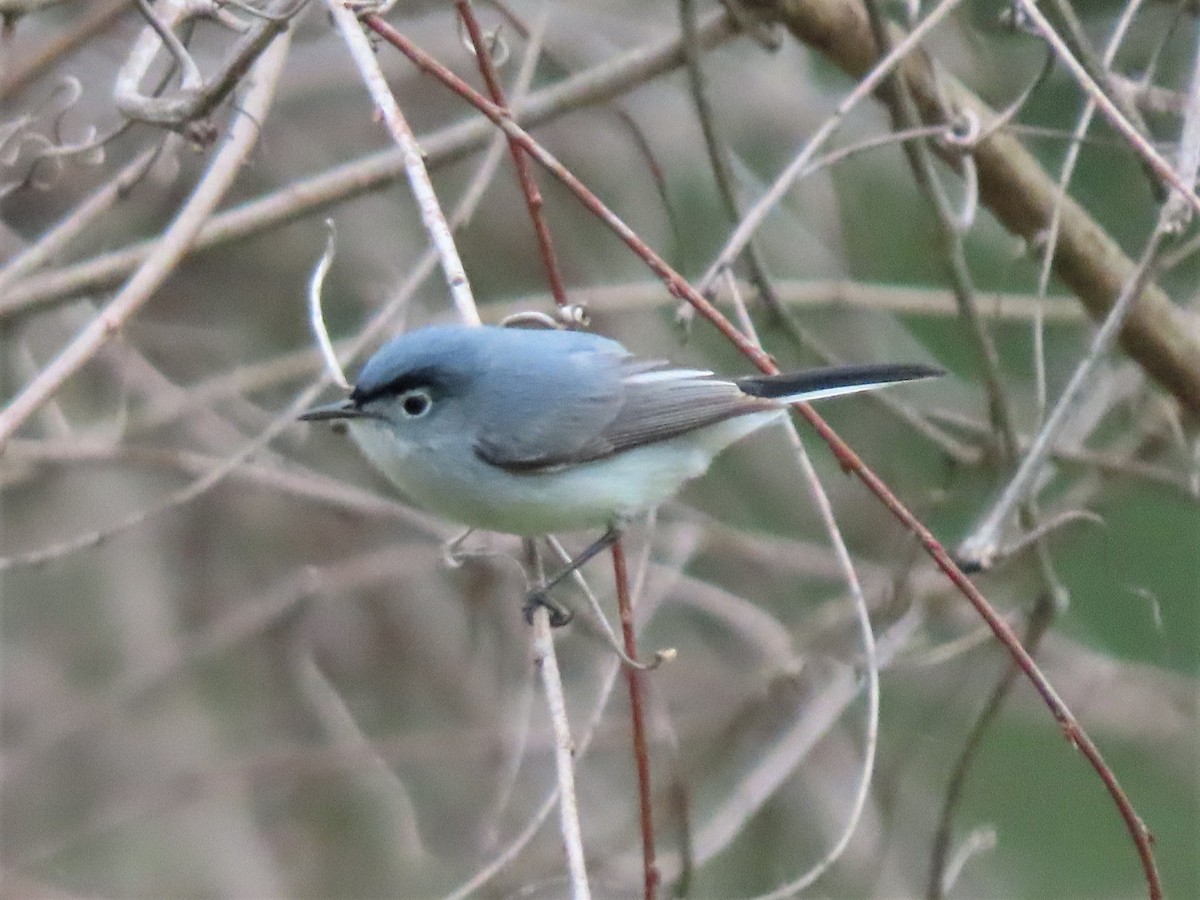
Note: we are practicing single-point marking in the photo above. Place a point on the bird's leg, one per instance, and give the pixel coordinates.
(540, 595)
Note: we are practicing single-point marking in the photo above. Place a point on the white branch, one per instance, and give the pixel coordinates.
(414, 165)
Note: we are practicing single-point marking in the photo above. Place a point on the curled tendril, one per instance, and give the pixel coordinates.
(10, 138)
(74, 91)
(42, 154)
(1014, 18)
(229, 20)
(963, 130)
(531, 319)
(497, 46)
(573, 315)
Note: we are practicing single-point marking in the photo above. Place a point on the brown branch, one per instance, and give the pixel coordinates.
(529, 187)
(641, 754)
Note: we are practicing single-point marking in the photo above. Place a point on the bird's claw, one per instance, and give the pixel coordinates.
(539, 599)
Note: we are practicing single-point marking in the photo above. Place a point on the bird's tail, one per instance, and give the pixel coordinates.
(833, 381)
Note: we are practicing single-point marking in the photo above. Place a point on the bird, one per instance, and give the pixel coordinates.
(534, 431)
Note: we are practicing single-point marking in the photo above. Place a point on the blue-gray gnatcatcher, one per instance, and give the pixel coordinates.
(535, 431)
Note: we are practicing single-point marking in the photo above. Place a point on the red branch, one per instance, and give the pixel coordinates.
(533, 200)
(529, 187)
(641, 755)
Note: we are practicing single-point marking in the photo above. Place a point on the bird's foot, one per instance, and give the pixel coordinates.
(539, 598)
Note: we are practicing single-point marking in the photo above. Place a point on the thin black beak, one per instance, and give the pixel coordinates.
(342, 409)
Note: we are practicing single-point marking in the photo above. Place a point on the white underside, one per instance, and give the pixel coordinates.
(453, 482)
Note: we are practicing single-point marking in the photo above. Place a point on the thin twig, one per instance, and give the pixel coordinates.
(414, 166)
(1076, 39)
(610, 636)
(1177, 214)
(247, 620)
(871, 662)
(564, 753)
(637, 717)
(81, 27)
(717, 153)
(378, 779)
(939, 866)
(471, 198)
(904, 114)
(982, 544)
(84, 214)
(529, 187)
(980, 547)
(822, 709)
(1158, 334)
(1072, 155)
(196, 97)
(607, 682)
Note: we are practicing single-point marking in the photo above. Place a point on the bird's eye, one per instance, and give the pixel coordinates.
(416, 402)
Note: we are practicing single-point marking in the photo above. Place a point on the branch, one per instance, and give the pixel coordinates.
(414, 165)
(564, 753)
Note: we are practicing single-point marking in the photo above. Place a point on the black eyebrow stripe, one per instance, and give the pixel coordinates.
(436, 380)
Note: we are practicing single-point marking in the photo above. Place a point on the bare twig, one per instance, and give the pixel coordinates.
(338, 723)
(953, 232)
(564, 753)
(637, 717)
(982, 544)
(83, 215)
(1069, 161)
(99, 14)
(196, 97)
(940, 863)
(529, 187)
(980, 547)
(871, 662)
(414, 165)
(821, 710)
(1160, 336)
(1179, 211)
(718, 154)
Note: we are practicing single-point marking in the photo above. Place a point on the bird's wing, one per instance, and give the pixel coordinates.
(539, 411)
(625, 406)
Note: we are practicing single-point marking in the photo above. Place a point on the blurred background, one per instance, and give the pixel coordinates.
(241, 667)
